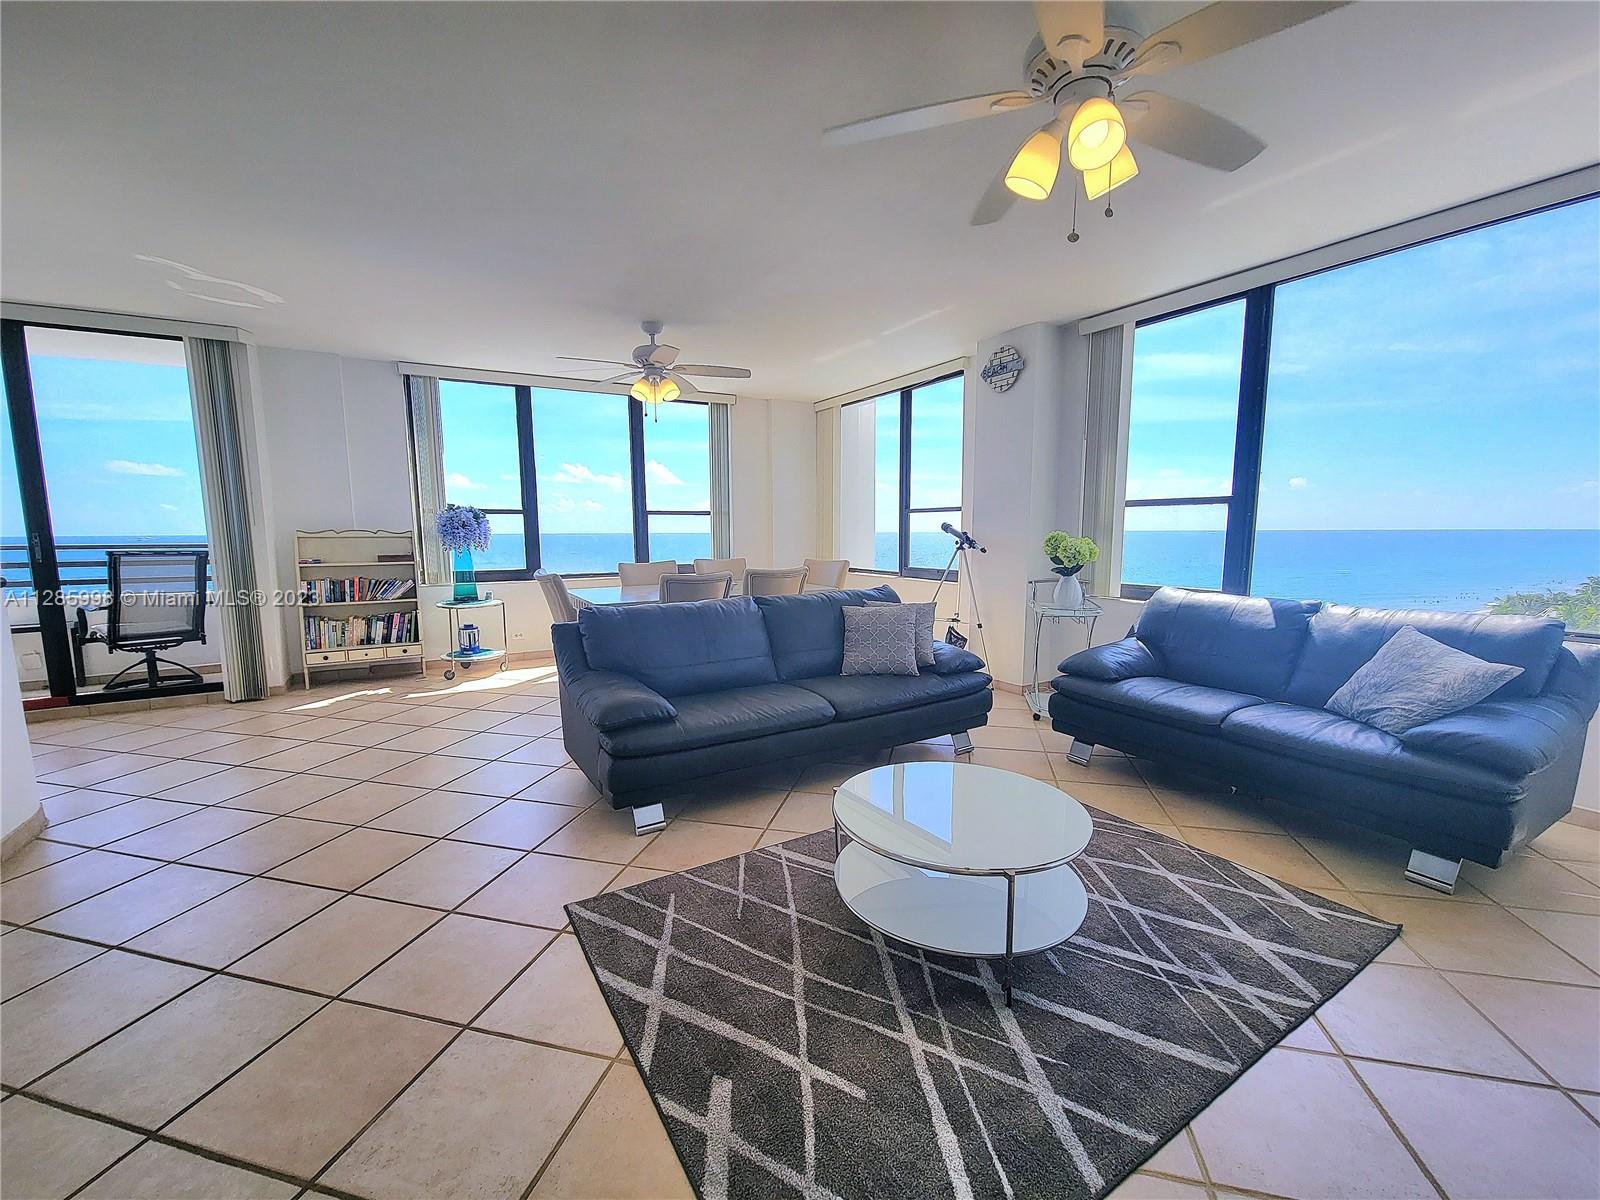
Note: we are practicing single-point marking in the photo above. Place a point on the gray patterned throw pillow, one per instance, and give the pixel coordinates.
(1413, 680)
(924, 628)
(881, 640)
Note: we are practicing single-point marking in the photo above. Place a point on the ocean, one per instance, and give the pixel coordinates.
(1459, 569)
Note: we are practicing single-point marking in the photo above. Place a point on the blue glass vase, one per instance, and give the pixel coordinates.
(466, 582)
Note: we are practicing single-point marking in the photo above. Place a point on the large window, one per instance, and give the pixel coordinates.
(1416, 430)
(677, 482)
(908, 444)
(576, 482)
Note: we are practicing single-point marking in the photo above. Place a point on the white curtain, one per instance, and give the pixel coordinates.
(1110, 352)
(226, 493)
(427, 473)
(721, 485)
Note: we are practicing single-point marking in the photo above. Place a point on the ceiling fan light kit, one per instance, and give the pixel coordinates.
(1097, 181)
(1085, 52)
(654, 376)
(1033, 171)
(1096, 135)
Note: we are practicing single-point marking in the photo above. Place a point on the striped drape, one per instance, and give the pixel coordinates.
(1102, 475)
(427, 473)
(225, 487)
(721, 484)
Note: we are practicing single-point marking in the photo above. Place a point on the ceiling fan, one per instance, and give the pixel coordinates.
(655, 373)
(1086, 51)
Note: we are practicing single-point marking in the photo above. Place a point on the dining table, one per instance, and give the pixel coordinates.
(606, 596)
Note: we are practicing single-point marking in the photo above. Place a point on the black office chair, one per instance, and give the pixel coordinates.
(158, 601)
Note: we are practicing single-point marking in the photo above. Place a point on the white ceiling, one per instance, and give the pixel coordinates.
(494, 185)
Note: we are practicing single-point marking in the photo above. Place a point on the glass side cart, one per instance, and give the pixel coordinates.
(1041, 608)
(456, 656)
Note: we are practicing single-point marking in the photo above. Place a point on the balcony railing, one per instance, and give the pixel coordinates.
(82, 564)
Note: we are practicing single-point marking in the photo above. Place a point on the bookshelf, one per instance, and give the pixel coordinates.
(356, 595)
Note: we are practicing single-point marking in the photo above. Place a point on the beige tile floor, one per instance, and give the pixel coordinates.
(318, 943)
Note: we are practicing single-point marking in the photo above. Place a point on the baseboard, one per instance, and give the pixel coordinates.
(1583, 818)
(23, 834)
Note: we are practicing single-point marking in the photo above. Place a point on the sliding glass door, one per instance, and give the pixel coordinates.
(98, 456)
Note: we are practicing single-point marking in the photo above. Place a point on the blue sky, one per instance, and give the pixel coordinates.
(1454, 385)
(119, 449)
(581, 455)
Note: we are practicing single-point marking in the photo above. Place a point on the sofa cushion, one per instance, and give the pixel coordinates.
(1341, 640)
(681, 649)
(1237, 643)
(1511, 737)
(1413, 679)
(855, 696)
(1159, 699)
(712, 718)
(806, 632)
(1316, 735)
(1126, 659)
(953, 660)
(881, 640)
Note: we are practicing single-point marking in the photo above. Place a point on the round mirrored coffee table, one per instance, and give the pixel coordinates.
(962, 859)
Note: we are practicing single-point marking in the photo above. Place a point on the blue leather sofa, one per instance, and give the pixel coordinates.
(658, 697)
(1234, 687)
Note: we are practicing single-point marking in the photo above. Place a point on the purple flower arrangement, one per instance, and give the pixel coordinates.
(462, 527)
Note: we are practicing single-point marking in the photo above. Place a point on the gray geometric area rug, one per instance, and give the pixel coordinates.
(793, 1051)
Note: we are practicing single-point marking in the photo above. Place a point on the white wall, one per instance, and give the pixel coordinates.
(19, 793)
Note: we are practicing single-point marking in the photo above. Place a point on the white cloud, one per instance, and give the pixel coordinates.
(593, 506)
(170, 508)
(578, 473)
(657, 472)
(122, 466)
(564, 504)
(1299, 481)
(457, 481)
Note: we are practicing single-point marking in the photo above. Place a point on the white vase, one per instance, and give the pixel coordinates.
(1069, 591)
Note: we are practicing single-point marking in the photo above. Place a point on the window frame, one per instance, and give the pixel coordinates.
(1238, 554)
(528, 483)
(642, 512)
(904, 569)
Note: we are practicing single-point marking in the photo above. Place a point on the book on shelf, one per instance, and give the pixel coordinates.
(358, 588)
(378, 629)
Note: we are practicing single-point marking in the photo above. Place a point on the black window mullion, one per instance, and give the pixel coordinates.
(1238, 548)
(905, 480)
(641, 510)
(532, 550)
(43, 568)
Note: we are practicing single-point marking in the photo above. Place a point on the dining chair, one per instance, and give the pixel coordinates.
(710, 566)
(677, 588)
(774, 581)
(562, 605)
(826, 572)
(635, 573)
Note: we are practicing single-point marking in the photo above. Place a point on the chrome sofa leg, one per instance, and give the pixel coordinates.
(649, 819)
(1080, 752)
(1434, 872)
(963, 744)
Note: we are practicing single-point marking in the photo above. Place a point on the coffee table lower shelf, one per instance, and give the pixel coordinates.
(975, 916)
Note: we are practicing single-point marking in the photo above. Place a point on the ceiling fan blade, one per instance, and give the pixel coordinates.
(1190, 132)
(685, 388)
(714, 372)
(996, 202)
(1073, 30)
(928, 116)
(664, 356)
(626, 375)
(1218, 28)
(609, 362)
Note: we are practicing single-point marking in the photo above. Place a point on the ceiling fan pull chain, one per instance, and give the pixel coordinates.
(1073, 236)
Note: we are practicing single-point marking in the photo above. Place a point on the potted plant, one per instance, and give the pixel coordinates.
(1070, 555)
(463, 529)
